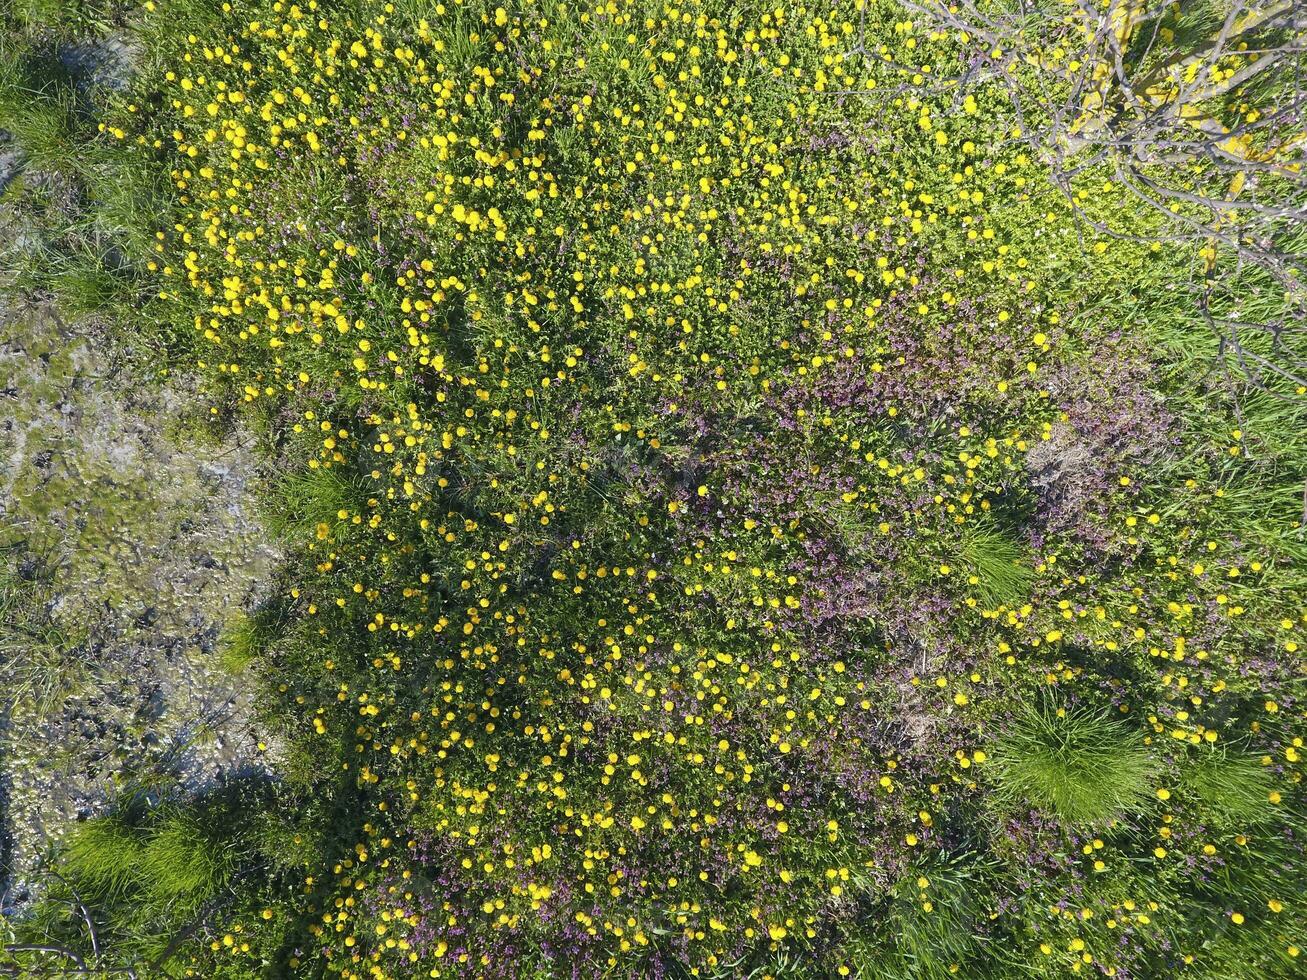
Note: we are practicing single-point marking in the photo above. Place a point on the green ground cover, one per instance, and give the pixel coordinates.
(744, 517)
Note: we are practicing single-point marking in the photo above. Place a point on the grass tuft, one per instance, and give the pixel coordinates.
(928, 928)
(303, 500)
(998, 571)
(180, 861)
(38, 108)
(105, 854)
(1233, 788)
(87, 283)
(1076, 764)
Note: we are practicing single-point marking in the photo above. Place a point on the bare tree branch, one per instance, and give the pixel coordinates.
(1198, 111)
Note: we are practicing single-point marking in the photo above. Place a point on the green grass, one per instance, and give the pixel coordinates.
(40, 114)
(301, 501)
(242, 644)
(486, 634)
(999, 571)
(925, 927)
(1077, 765)
(180, 861)
(1231, 787)
(250, 638)
(66, 18)
(1260, 876)
(150, 869)
(124, 200)
(105, 855)
(85, 282)
(42, 661)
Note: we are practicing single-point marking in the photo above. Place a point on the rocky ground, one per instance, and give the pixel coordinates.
(128, 548)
